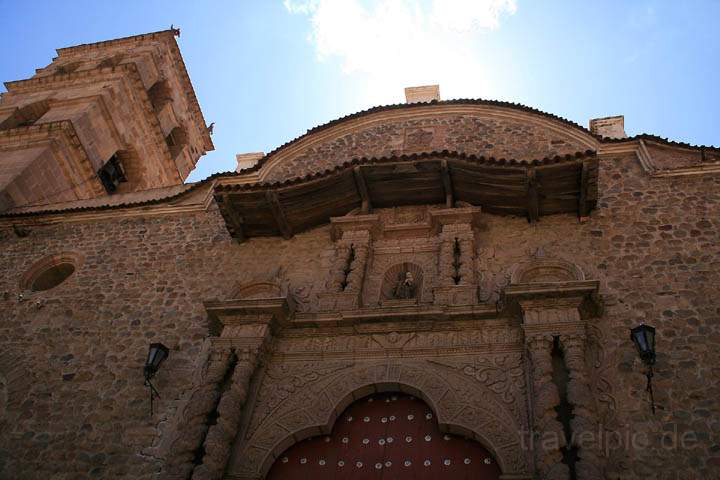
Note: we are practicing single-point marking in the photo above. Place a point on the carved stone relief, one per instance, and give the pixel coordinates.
(302, 399)
(402, 281)
(409, 341)
(378, 287)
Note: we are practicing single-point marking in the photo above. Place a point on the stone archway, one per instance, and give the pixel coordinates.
(545, 270)
(386, 435)
(308, 401)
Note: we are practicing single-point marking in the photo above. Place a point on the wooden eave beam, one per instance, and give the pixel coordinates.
(235, 220)
(447, 184)
(583, 197)
(533, 202)
(362, 189)
(278, 213)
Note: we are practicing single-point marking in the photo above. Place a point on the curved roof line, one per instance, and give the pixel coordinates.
(479, 159)
(360, 161)
(399, 106)
(266, 158)
(663, 140)
(465, 101)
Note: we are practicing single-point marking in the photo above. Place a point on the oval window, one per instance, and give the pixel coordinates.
(52, 277)
(50, 272)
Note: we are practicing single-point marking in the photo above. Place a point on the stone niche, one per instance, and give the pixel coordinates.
(402, 257)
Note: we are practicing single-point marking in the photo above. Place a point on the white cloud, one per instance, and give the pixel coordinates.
(400, 43)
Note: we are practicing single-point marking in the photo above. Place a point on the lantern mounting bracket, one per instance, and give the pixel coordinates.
(643, 336)
(157, 354)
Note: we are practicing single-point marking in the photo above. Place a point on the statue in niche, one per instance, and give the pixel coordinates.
(405, 288)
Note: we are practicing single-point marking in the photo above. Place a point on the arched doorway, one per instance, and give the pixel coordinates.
(386, 436)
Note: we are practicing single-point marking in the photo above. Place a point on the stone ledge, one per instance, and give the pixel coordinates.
(580, 294)
(395, 313)
(275, 312)
(455, 295)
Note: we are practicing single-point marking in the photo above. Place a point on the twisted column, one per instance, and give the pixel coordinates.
(338, 270)
(467, 246)
(446, 258)
(357, 272)
(192, 420)
(583, 424)
(548, 435)
(221, 435)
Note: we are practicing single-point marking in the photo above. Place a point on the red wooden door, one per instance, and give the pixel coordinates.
(386, 436)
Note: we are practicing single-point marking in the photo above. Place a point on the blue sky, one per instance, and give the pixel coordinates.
(266, 71)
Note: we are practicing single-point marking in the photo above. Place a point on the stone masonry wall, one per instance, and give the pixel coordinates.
(85, 414)
(71, 366)
(491, 137)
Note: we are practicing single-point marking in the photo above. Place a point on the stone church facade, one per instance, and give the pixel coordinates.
(482, 259)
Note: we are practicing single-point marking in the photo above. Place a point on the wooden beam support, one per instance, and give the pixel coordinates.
(277, 211)
(447, 184)
(582, 198)
(235, 220)
(533, 202)
(362, 189)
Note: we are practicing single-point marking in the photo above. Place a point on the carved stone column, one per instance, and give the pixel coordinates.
(221, 435)
(584, 422)
(337, 274)
(357, 268)
(247, 332)
(456, 279)
(192, 416)
(467, 247)
(551, 310)
(352, 234)
(445, 259)
(548, 436)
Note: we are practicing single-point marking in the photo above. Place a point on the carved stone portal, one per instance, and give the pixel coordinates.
(309, 404)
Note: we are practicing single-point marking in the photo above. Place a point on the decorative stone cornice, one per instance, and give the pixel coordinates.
(354, 223)
(397, 313)
(127, 71)
(581, 294)
(638, 147)
(554, 308)
(54, 134)
(108, 207)
(228, 315)
(454, 216)
(168, 37)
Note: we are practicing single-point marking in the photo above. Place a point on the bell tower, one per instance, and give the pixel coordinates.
(103, 118)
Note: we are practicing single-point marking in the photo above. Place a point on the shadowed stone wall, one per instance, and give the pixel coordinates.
(76, 405)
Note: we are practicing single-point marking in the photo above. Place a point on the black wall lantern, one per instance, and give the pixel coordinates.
(643, 336)
(156, 356)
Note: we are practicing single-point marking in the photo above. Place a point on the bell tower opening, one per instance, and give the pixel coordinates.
(134, 96)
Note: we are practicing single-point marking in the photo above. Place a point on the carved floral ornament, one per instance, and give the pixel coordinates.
(300, 397)
(461, 402)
